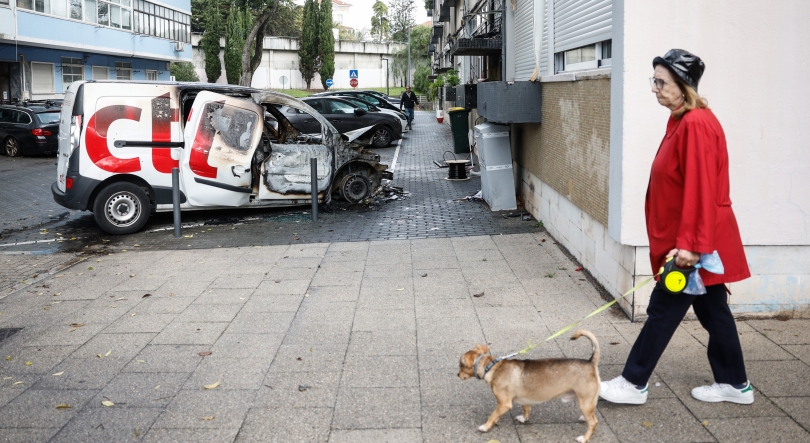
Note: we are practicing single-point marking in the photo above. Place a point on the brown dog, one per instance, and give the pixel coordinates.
(531, 382)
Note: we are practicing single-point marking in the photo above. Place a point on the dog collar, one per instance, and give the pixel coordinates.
(490, 365)
(475, 367)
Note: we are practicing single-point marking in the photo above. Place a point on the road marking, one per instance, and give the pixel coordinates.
(396, 154)
(28, 242)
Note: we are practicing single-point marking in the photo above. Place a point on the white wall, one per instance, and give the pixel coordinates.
(755, 60)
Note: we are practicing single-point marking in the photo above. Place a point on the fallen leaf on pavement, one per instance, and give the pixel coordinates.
(7, 378)
(132, 275)
(137, 432)
(400, 289)
(210, 417)
(120, 299)
(146, 295)
(212, 385)
(156, 387)
(479, 295)
(17, 383)
(59, 373)
(28, 363)
(204, 353)
(614, 343)
(133, 314)
(108, 353)
(76, 325)
(63, 406)
(140, 361)
(705, 423)
(646, 424)
(108, 403)
(171, 294)
(424, 275)
(9, 358)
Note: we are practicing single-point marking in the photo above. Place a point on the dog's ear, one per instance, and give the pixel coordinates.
(481, 349)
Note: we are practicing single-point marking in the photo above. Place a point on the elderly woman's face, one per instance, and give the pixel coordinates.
(666, 90)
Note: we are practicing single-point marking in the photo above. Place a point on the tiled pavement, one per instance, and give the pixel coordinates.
(324, 339)
(350, 342)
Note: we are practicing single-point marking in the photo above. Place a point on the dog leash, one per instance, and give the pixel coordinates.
(561, 331)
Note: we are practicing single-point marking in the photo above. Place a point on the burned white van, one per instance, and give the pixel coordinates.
(119, 141)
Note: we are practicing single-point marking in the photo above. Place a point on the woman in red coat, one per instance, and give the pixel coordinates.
(688, 213)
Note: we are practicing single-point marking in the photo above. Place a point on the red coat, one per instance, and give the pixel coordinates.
(688, 205)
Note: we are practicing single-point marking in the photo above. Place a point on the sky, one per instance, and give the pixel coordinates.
(360, 13)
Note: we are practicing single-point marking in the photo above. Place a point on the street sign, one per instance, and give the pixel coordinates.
(352, 73)
(329, 82)
(353, 82)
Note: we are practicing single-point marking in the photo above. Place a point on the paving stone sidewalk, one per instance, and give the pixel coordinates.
(351, 342)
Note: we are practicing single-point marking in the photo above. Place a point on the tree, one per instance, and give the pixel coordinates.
(379, 21)
(420, 78)
(326, 43)
(420, 38)
(308, 46)
(235, 34)
(263, 12)
(210, 40)
(352, 35)
(400, 19)
(183, 72)
(287, 20)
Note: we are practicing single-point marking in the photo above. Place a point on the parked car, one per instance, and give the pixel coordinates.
(231, 144)
(346, 117)
(392, 100)
(29, 128)
(371, 98)
(362, 104)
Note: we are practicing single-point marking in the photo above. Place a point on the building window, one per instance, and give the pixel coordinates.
(72, 70)
(586, 57)
(42, 78)
(123, 71)
(157, 21)
(3, 2)
(151, 75)
(101, 73)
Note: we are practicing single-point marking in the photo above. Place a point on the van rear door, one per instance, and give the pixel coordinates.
(220, 140)
(70, 121)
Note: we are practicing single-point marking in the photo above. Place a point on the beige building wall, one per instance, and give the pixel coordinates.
(570, 149)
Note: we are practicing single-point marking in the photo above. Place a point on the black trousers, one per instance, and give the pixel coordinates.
(665, 314)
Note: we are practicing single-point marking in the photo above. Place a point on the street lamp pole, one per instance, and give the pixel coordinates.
(387, 90)
(408, 76)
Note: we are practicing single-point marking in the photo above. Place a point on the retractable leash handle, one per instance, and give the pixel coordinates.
(673, 278)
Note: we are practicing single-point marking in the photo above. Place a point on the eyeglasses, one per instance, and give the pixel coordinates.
(657, 83)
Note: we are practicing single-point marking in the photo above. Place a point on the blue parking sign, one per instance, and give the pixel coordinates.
(352, 73)
(329, 82)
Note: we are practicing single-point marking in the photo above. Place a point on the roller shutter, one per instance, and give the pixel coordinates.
(544, 44)
(41, 77)
(581, 22)
(524, 45)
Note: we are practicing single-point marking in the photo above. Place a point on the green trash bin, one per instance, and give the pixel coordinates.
(460, 126)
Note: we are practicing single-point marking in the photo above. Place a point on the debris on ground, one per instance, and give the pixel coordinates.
(388, 193)
(477, 197)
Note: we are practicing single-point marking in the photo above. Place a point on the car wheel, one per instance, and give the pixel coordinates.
(355, 188)
(381, 138)
(12, 147)
(121, 208)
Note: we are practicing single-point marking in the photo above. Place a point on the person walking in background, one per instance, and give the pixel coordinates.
(408, 100)
(688, 212)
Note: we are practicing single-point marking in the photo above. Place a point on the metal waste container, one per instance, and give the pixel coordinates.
(495, 158)
(460, 128)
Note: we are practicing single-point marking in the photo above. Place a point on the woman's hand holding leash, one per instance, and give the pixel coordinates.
(684, 258)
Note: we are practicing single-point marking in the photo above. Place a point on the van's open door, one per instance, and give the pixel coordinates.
(220, 138)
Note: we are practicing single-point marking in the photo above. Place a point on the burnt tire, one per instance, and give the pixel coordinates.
(355, 188)
(122, 208)
(11, 147)
(382, 137)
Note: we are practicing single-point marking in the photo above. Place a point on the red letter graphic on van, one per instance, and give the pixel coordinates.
(198, 159)
(162, 118)
(97, 139)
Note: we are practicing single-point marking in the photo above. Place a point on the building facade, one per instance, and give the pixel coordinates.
(47, 44)
(578, 70)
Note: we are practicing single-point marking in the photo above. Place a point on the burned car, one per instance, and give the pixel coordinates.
(231, 145)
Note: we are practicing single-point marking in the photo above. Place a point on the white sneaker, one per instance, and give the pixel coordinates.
(722, 392)
(620, 390)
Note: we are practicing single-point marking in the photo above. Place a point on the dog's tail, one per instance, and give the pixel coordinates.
(592, 338)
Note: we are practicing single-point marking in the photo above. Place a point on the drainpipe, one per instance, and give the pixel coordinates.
(22, 68)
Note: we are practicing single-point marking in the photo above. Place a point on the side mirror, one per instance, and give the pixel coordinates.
(359, 111)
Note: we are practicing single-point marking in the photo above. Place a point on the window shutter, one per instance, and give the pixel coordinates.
(524, 45)
(544, 44)
(41, 77)
(100, 73)
(581, 22)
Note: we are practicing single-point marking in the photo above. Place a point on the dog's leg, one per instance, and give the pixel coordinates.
(527, 409)
(588, 405)
(504, 405)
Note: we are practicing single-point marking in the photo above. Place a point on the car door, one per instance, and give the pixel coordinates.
(309, 123)
(220, 141)
(5, 117)
(341, 114)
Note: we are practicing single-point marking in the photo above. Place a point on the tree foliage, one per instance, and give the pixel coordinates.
(308, 46)
(210, 40)
(400, 19)
(287, 20)
(379, 22)
(352, 35)
(420, 38)
(183, 72)
(420, 78)
(326, 43)
(235, 34)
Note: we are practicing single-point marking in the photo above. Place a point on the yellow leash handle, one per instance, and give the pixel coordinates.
(598, 310)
